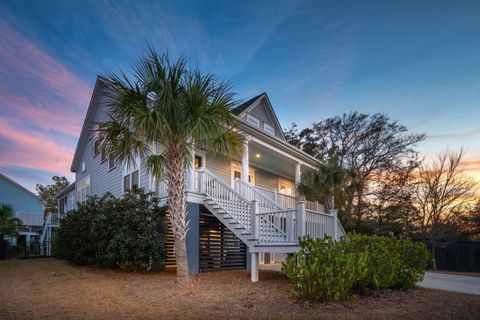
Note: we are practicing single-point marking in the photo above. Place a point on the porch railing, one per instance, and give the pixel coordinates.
(231, 201)
(265, 203)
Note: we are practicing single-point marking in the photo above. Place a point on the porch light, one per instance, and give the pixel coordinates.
(258, 155)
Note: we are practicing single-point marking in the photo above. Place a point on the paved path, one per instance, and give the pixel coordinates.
(451, 282)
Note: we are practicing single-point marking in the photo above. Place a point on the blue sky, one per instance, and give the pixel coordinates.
(417, 61)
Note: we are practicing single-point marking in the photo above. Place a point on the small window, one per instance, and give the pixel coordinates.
(135, 178)
(96, 148)
(103, 155)
(126, 183)
(111, 162)
(198, 162)
(253, 120)
(269, 129)
(83, 166)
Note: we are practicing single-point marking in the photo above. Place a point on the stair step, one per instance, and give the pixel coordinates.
(239, 227)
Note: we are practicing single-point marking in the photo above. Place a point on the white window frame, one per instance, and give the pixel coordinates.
(253, 121)
(238, 168)
(128, 170)
(81, 185)
(83, 166)
(267, 129)
(114, 163)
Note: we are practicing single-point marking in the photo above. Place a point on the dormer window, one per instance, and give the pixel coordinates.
(268, 129)
(253, 120)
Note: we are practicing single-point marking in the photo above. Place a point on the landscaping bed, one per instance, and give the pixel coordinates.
(54, 289)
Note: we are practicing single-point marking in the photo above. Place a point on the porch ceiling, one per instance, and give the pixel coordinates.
(271, 160)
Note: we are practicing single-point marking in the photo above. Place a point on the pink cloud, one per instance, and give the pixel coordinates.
(35, 150)
(22, 58)
(42, 105)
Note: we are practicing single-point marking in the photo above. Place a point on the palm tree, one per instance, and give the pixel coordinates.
(165, 103)
(323, 183)
(9, 225)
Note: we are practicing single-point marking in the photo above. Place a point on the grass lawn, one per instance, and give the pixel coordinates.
(53, 289)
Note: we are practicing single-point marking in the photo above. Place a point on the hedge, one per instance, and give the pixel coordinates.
(127, 233)
(325, 270)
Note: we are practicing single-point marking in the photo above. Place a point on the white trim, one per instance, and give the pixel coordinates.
(256, 103)
(127, 170)
(263, 143)
(251, 118)
(265, 126)
(235, 167)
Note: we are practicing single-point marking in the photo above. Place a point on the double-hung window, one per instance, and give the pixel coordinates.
(131, 175)
(83, 189)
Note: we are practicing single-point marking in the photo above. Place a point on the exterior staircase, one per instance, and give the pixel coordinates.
(50, 223)
(260, 222)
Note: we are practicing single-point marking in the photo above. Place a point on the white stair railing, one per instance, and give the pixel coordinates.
(251, 193)
(231, 201)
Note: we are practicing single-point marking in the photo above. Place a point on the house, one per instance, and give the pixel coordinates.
(241, 213)
(26, 206)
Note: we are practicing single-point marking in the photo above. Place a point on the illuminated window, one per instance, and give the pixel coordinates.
(198, 162)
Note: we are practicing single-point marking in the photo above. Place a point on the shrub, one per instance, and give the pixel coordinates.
(127, 233)
(324, 270)
(14, 251)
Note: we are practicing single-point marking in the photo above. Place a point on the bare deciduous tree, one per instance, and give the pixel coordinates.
(442, 191)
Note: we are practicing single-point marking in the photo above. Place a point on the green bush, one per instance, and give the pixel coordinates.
(325, 270)
(13, 251)
(126, 233)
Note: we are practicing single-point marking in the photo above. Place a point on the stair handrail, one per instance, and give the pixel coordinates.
(264, 200)
(242, 214)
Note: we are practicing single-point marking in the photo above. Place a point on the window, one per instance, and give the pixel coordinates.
(111, 162)
(83, 166)
(130, 181)
(96, 148)
(131, 175)
(198, 162)
(268, 129)
(253, 120)
(83, 189)
(237, 174)
(103, 155)
(286, 189)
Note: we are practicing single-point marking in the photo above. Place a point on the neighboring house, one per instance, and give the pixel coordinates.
(26, 206)
(241, 212)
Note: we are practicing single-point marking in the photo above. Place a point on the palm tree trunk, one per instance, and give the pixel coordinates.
(175, 170)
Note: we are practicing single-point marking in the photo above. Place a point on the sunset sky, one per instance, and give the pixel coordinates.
(416, 61)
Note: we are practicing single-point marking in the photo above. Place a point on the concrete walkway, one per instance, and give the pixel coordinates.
(451, 282)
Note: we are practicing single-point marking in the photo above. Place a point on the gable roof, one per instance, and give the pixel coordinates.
(242, 107)
(19, 186)
(254, 102)
(92, 110)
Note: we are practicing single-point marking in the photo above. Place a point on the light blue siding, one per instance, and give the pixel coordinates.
(260, 112)
(103, 180)
(18, 198)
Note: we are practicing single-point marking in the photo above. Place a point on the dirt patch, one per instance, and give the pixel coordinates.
(53, 289)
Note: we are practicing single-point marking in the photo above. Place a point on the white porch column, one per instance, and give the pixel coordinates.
(298, 174)
(27, 242)
(254, 266)
(335, 234)
(301, 219)
(245, 162)
(190, 176)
